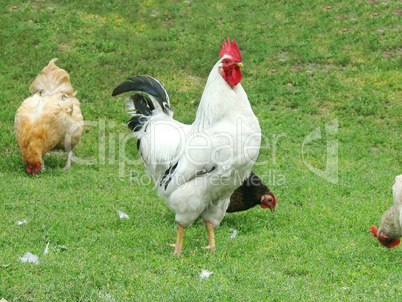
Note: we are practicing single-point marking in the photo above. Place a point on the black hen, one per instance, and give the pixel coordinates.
(252, 192)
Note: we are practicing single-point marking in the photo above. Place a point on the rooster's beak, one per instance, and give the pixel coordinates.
(240, 64)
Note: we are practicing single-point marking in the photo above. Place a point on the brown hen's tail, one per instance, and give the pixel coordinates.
(52, 79)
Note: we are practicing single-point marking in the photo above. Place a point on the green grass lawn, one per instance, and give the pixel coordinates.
(324, 79)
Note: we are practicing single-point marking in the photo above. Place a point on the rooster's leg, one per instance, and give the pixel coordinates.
(69, 157)
(179, 241)
(211, 236)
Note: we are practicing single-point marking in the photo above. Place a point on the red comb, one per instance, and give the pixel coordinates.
(231, 50)
(374, 230)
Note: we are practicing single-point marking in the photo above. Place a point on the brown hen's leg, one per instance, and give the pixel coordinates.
(179, 241)
(211, 236)
(42, 166)
(69, 157)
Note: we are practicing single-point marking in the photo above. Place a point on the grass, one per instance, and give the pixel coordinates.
(307, 64)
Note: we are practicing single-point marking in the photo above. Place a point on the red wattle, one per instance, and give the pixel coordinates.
(234, 77)
(264, 206)
(395, 243)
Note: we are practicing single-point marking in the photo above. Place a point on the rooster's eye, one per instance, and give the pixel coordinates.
(226, 61)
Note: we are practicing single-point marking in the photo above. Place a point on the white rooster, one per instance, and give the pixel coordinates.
(197, 167)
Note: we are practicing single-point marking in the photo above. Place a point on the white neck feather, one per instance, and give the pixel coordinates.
(219, 100)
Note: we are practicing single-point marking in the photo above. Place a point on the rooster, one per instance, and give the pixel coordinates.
(252, 192)
(50, 119)
(390, 231)
(197, 167)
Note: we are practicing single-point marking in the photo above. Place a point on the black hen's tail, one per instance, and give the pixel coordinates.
(140, 106)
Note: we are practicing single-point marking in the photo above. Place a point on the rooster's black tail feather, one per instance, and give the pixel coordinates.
(146, 84)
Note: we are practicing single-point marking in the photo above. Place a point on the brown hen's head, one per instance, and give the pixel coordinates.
(31, 168)
(34, 156)
(268, 201)
(231, 63)
(384, 238)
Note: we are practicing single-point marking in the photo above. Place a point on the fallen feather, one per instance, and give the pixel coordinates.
(61, 248)
(46, 249)
(5, 266)
(21, 222)
(234, 234)
(30, 258)
(3, 300)
(205, 274)
(105, 296)
(123, 215)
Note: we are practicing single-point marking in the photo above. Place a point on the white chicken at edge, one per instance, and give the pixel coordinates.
(389, 232)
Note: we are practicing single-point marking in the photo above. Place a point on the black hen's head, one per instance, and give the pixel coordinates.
(252, 192)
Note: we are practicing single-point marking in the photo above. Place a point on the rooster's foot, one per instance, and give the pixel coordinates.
(177, 250)
(211, 236)
(210, 247)
(179, 241)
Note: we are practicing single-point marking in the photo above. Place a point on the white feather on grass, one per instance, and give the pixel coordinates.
(205, 274)
(21, 222)
(123, 215)
(234, 233)
(29, 258)
(46, 249)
